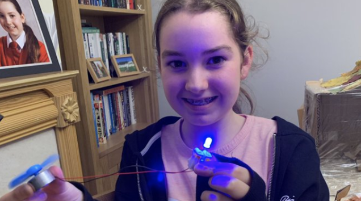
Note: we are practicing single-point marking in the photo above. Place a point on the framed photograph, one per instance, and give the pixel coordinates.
(97, 69)
(125, 65)
(26, 46)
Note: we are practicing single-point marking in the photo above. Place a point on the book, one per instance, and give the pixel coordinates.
(95, 118)
(125, 43)
(86, 47)
(98, 106)
(112, 112)
(133, 118)
(120, 108)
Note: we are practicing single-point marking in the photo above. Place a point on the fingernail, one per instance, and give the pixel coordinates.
(212, 196)
(220, 180)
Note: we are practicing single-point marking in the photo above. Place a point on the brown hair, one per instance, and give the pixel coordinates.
(242, 34)
(32, 45)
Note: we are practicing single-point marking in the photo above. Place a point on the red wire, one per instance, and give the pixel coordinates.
(125, 173)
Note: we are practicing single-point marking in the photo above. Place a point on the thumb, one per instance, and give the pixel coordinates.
(20, 193)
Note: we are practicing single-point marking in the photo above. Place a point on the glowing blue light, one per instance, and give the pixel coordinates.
(208, 142)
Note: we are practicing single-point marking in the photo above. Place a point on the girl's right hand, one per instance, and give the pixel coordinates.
(58, 190)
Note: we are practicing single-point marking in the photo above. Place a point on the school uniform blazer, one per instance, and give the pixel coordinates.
(8, 57)
(296, 174)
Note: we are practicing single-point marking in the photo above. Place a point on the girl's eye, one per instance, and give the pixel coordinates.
(176, 64)
(216, 60)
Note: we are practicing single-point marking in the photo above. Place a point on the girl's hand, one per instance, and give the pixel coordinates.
(58, 190)
(230, 181)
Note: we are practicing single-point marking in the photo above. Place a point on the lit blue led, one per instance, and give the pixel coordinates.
(207, 143)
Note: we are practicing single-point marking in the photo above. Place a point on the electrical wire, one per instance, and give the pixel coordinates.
(149, 170)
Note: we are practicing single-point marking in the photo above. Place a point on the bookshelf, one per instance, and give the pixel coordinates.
(105, 159)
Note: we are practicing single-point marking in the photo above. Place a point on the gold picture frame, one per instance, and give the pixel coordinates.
(98, 70)
(125, 65)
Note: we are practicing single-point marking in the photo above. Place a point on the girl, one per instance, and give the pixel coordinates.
(204, 52)
(20, 46)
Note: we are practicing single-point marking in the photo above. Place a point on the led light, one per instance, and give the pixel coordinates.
(207, 143)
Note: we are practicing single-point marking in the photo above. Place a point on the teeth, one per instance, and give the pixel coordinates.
(201, 101)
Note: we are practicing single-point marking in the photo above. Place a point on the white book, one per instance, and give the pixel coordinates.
(98, 50)
(106, 108)
(86, 47)
(133, 118)
(91, 43)
(119, 35)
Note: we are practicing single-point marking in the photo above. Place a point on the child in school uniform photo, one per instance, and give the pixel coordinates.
(20, 43)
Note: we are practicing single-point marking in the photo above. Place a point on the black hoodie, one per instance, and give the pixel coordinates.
(296, 174)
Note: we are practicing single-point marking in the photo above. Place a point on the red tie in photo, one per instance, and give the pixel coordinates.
(15, 46)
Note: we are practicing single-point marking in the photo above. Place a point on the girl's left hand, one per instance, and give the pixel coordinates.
(230, 180)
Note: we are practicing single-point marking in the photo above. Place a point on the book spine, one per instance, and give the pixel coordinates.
(116, 44)
(106, 51)
(107, 115)
(133, 118)
(120, 37)
(131, 4)
(117, 112)
(121, 115)
(98, 51)
(124, 43)
(124, 105)
(127, 41)
(95, 117)
(112, 115)
(101, 137)
(91, 43)
(86, 47)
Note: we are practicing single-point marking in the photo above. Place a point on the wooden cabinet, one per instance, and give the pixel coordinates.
(137, 24)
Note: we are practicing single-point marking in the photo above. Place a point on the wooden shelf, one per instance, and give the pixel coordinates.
(116, 140)
(107, 11)
(115, 81)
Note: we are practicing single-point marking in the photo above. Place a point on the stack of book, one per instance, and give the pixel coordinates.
(113, 110)
(125, 4)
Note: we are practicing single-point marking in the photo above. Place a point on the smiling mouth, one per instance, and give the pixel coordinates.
(200, 102)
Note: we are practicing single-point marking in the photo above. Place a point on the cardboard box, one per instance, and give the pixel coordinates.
(334, 120)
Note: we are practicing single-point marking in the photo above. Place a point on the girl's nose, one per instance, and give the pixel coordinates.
(8, 20)
(197, 81)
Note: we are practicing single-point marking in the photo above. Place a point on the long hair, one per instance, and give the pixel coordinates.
(242, 34)
(31, 45)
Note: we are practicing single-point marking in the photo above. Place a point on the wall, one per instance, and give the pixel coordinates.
(308, 40)
(17, 157)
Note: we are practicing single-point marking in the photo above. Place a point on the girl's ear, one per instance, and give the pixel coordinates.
(247, 62)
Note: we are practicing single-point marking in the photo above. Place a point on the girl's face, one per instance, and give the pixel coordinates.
(201, 66)
(11, 20)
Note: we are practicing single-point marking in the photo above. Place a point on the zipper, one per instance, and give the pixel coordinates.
(138, 182)
(273, 166)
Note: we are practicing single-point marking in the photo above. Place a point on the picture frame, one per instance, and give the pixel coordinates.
(125, 65)
(35, 20)
(97, 69)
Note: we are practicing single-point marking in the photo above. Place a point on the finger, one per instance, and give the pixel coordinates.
(231, 186)
(20, 193)
(214, 196)
(208, 169)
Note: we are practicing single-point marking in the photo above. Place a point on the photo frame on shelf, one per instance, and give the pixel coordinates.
(44, 61)
(97, 69)
(125, 65)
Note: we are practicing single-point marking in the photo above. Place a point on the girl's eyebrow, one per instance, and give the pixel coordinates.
(166, 53)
